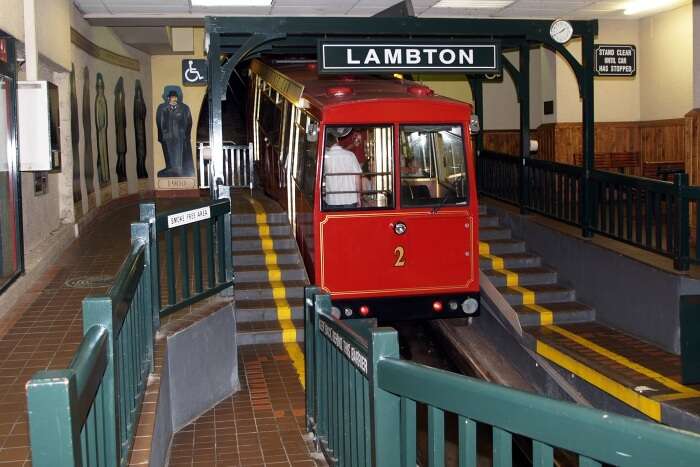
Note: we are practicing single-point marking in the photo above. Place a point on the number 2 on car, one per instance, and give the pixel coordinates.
(400, 257)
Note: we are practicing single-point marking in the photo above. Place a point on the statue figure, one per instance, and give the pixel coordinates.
(174, 122)
(140, 131)
(87, 133)
(101, 129)
(120, 128)
(75, 137)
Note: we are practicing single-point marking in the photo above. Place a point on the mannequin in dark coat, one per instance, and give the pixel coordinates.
(174, 122)
(75, 137)
(140, 131)
(120, 128)
(101, 129)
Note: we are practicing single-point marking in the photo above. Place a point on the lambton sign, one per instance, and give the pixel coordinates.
(615, 60)
(387, 57)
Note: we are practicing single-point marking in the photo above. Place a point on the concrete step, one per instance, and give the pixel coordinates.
(562, 313)
(266, 310)
(252, 230)
(262, 290)
(265, 332)
(526, 276)
(500, 247)
(489, 221)
(493, 233)
(257, 257)
(547, 293)
(247, 218)
(512, 260)
(254, 243)
(257, 273)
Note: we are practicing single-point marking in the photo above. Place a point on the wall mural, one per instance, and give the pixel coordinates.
(140, 130)
(75, 141)
(101, 130)
(174, 122)
(87, 133)
(120, 128)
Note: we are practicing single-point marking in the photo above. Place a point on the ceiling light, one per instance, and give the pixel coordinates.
(472, 3)
(238, 3)
(640, 6)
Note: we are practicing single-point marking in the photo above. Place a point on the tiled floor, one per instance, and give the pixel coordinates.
(44, 329)
(262, 425)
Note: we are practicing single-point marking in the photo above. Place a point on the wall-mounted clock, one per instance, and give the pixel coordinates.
(561, 31)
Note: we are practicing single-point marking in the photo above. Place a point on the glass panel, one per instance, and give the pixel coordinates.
(9, 264)
(358, 168)
(433, 165)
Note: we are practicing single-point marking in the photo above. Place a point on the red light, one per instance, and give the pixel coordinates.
(339, 91)
(437, 306)
(364, 310)
(420, 90)
(312, 66)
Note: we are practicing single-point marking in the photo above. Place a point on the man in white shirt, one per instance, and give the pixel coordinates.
(342, 175)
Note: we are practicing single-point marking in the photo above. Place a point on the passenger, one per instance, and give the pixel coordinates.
(342, 175)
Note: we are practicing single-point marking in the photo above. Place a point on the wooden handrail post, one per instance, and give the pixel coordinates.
(681, 257)
(385, 408)
(147, 214)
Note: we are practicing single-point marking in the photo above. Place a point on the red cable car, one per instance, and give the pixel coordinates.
(378, 178)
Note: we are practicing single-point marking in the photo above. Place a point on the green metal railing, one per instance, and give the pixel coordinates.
(650, 214)
(203, 235)
(87, 414)
(363, 399)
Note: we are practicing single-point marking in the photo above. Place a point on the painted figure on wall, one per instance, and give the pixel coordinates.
(140, 131)
(101, 130)
(75, 140)
(174, 122)
(87, 133)
(120, 128)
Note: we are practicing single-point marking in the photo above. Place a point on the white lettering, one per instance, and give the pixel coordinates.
(466, 56)
(372, 57)
(352, 61)
(412, 56)
(444, 53)
(392, 57)
(430, 53)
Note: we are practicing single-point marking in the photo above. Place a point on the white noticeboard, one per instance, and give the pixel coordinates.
(188, 217)
(34, 127)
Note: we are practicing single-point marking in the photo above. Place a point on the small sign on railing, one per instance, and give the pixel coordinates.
(188, 217)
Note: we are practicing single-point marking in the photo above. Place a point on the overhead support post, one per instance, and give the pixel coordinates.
(524, 99)
(587, 208)
(217, 90)
(477, 86)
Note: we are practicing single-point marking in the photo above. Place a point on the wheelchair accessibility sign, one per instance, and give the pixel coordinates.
(194, 72)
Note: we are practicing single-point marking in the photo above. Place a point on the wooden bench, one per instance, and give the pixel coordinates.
(662, 170)
(611, 160)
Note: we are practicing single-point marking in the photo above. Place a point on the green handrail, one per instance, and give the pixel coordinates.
(185, 282)
(87, 414)
(362, 399)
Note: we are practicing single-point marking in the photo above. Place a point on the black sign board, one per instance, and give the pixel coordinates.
(615, 60)
(408, 57)
(194, 72)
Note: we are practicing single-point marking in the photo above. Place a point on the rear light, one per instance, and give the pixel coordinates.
(339, 91)
(437, 306)
(364, 310)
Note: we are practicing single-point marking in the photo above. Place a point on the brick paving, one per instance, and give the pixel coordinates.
(43, 330)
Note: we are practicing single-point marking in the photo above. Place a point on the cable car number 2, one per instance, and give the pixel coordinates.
(400, 257)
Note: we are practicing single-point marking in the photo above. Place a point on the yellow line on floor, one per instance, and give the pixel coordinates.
(647, 406)
(279, 293)
(626, 362)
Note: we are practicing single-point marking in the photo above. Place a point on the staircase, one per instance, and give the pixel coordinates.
(270, 279)
(524, 281)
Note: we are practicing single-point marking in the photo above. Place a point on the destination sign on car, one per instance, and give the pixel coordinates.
(376, 57)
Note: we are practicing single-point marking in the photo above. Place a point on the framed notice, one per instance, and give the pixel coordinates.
(615, 60)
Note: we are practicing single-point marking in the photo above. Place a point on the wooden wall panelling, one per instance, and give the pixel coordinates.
(663, 140)
(503, 141)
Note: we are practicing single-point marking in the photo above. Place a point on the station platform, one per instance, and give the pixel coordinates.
(260, 425)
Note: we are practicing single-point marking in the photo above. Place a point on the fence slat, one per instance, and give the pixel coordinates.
(467, 442)
(542, 454)
(436, 437)
(408, 432)
(170, 265)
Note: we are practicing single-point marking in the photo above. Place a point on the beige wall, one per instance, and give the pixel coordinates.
(666, 64)
(696, 56)
(448, 85)
(167, 69)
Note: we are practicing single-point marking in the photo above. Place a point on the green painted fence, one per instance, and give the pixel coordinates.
(362, 403)
(86, 415)
(201, 265)
(650, 214)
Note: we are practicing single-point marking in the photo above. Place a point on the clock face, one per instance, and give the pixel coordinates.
(561, 31)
